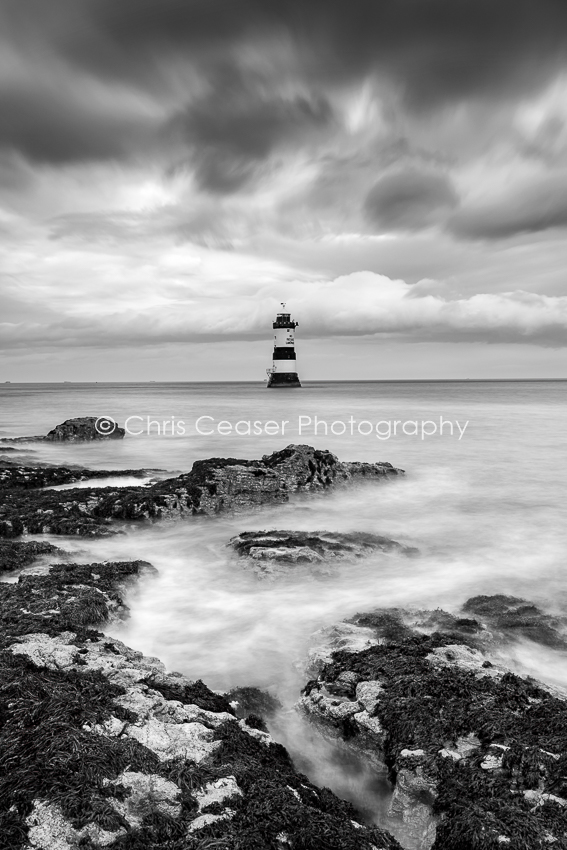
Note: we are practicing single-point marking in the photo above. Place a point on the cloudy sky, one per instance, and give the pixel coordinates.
(170, 170)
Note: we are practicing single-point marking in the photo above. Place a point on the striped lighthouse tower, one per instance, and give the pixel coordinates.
(284, 369)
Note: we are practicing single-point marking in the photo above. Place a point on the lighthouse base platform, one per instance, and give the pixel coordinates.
(283, 380)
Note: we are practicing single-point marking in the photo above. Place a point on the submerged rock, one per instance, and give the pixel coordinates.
(274, 552)
(102, 747)
(477, 756)
(212, 486)
(513, 617)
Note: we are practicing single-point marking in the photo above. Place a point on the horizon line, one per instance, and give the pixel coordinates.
(306, 382)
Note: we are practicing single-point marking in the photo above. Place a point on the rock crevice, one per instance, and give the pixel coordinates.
(475, 753)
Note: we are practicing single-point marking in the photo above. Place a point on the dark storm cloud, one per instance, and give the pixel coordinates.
(252, 128)
(436, 49)
(433, 51)
(236, 128)
(532, 208)
(409, 200)
(47, 128)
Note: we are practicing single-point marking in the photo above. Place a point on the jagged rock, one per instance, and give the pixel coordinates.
(82, 429)
(230, 484)
(467, 744)
(272, 553)
(213, 486)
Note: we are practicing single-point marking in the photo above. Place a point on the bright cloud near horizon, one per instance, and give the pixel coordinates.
(171, 171)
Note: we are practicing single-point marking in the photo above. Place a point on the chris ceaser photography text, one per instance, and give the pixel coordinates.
(303, 426)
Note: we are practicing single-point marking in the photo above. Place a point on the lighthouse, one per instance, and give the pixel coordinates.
(284, 369)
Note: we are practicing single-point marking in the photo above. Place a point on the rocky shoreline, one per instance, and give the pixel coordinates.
(102, 747)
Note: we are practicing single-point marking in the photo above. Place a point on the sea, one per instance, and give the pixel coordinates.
(485, 506)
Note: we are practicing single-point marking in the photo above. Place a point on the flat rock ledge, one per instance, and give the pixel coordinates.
(101, 747)
(212, 486)
(476, 755)
(277, 552)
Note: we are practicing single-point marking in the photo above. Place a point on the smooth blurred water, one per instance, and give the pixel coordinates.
(487, 513)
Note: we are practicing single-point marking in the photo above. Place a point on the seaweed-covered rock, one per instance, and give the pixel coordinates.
(212, 486)
(247, 701)
(69, 596)
(16, 476)
(513, 617)
(14, 555)
(274, 552)
(477, 756)
(174, 686)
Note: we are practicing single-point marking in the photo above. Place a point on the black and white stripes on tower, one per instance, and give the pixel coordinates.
(284, 369)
